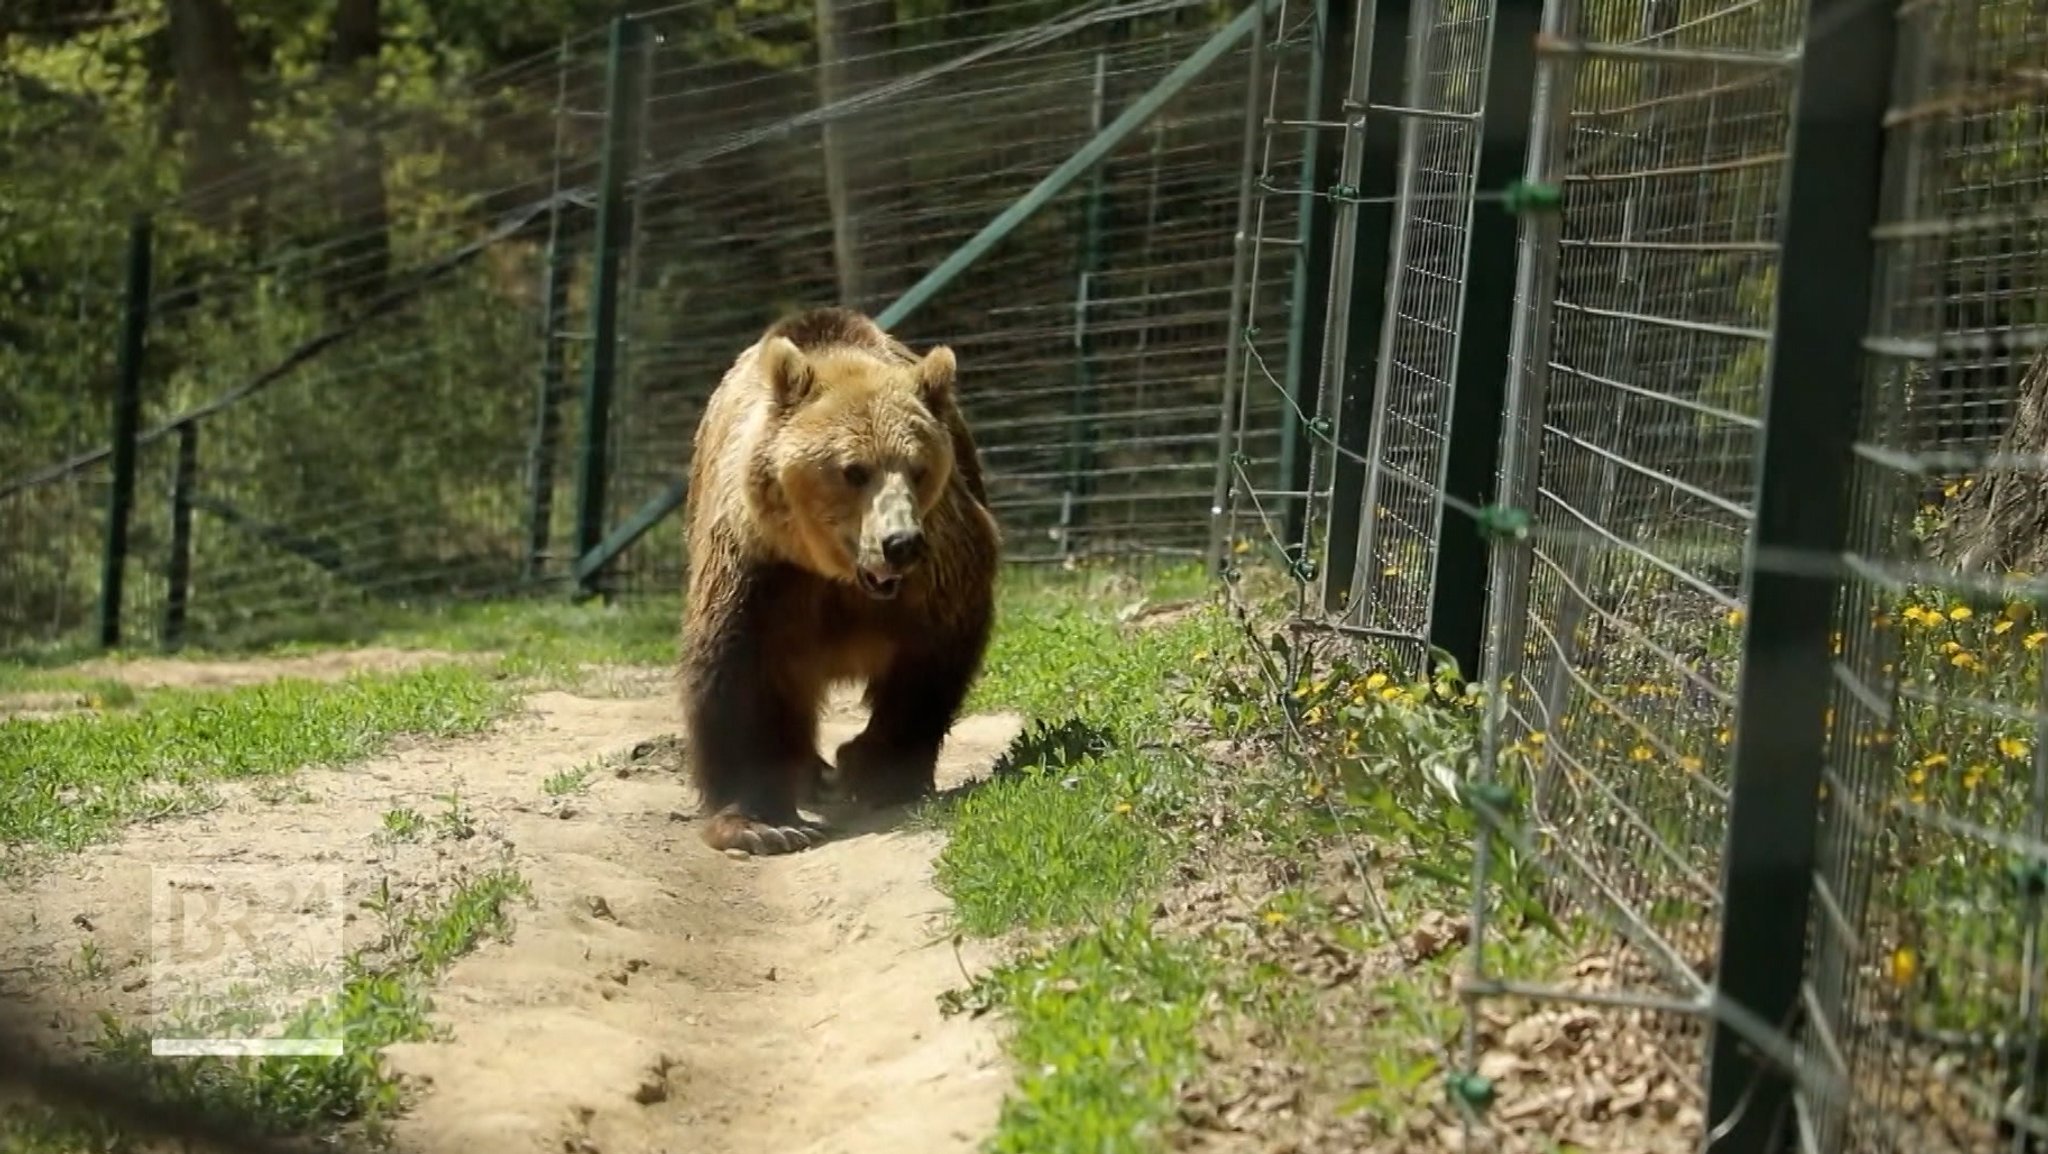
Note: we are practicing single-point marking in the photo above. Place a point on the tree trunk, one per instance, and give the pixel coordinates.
(362, 264)
(212, 107)
(852, 35)
(1998, 519)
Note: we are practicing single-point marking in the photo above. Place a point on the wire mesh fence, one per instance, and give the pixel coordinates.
(370, 379)
(1640, 620)
(1088, 337)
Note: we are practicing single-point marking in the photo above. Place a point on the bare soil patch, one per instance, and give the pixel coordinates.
(658, 997)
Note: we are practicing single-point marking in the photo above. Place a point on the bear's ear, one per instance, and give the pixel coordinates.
(935, 376)
(789, 374)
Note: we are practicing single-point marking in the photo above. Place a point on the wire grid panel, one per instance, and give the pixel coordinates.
(1089, 340)
(1252, 458)
(1417, 358)
(1927, 976)
(1642, 392)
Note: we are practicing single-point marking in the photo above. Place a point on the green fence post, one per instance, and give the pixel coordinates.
(127, 415)
(621, 132)
(1081, 429)
(178, 572)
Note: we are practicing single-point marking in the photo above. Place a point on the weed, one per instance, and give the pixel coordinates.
(455, 821)
(565, 782)
(403, 823)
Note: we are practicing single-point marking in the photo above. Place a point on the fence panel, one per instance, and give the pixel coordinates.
(1926, 985)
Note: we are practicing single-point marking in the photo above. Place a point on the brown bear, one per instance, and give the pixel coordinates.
(838, 531)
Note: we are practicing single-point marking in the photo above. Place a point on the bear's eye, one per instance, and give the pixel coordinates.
(856, 475)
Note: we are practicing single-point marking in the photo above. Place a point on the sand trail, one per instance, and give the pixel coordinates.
(659, 996)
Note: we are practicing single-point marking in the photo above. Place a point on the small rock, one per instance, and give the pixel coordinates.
(599, 908)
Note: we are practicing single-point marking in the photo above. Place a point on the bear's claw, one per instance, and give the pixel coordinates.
(732, 831)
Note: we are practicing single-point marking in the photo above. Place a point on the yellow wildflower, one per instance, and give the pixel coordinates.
(1974, 776)
(2012, 747)
(2033, 640)
(1965, 661)
(1689, 764)
(2004, 626)
(1640, 753)
(1961, 613)
(1934, 761)
(1905, 964)
(1375, 681)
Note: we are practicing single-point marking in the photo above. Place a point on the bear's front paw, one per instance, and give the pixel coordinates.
(880, 776)
(730, 830)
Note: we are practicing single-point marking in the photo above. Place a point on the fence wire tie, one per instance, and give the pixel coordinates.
(1490, 799)
(1527, 197)
(1474, 1092)
(1502, 522)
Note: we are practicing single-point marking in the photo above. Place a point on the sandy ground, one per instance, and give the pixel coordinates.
(659, 997)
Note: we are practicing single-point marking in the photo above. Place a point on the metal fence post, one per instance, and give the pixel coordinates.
(621, 135)
(1362, 240)
(1811, 398)
(127, 416)
(1240, 268)
(178, 570)
(1081, 428)
(547, 419)
(1457, 613)
(1309, 294)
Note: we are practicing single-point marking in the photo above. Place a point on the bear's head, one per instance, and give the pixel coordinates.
(860, 455)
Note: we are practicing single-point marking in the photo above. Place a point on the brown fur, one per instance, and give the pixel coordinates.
(777, 533)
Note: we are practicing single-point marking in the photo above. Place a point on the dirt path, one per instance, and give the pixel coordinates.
(660, 997)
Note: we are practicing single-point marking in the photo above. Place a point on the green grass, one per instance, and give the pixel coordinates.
(1108, 801)
(382, 1000)
(73, 779)
(1105, 1029)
